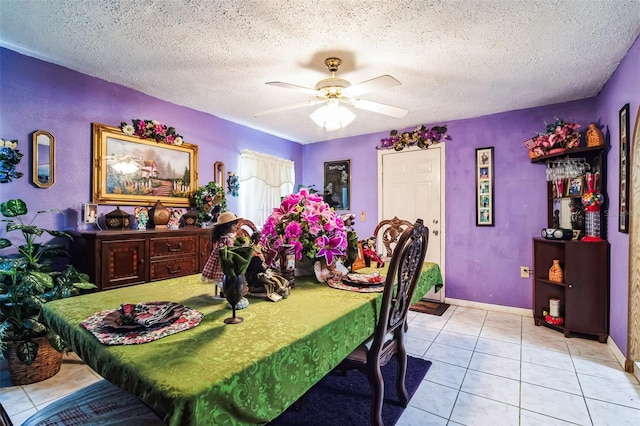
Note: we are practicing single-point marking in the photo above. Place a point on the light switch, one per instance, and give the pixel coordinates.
(363, 216)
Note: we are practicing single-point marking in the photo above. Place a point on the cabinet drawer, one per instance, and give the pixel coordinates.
(171, 268)
(172, 246)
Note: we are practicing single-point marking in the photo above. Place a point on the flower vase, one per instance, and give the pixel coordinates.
(304, 267)
(233, 287)
(592, 200)
(555, 272)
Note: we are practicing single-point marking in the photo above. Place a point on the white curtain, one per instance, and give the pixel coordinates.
(264, 179)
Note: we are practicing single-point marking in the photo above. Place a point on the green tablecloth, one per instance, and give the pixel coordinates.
(227, 374)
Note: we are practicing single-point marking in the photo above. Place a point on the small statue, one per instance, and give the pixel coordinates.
(556, 219)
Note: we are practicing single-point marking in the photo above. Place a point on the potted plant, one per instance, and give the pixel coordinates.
(28, 280)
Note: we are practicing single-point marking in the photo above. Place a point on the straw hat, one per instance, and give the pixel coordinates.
(226, 217)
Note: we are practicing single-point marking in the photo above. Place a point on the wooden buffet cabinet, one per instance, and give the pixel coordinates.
(128, 257)
(584, 292)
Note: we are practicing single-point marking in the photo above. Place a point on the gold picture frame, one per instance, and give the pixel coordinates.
(129, 170)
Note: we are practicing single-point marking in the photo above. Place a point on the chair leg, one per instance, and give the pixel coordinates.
(377, 388)
(401, 356)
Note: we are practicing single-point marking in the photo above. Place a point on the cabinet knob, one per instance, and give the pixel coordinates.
(570, 285)
(173, 250)
(141, 261)
(172, 271)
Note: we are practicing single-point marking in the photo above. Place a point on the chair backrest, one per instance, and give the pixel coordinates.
(245, 228)
(402, 277)
(387, 234)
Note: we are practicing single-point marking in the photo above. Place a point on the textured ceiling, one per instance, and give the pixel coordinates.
(455, 59)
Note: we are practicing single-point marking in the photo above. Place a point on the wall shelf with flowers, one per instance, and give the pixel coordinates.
(421, 137)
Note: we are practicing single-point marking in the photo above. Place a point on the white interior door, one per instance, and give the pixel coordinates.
(410, 185)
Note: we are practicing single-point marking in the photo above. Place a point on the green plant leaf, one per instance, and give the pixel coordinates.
(55, 341)
(13, 208)
(4, 243)
(40, 280)
(27, 351)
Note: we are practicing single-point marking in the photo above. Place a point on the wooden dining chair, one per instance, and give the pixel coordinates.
(245, 228)
(387, 234)
(388, 336)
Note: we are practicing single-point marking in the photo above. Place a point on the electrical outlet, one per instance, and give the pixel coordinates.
(524, 272)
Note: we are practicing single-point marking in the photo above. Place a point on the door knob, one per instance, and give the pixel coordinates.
(435, 232)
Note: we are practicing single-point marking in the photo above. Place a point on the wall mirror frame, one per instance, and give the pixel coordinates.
(43, 154)
(219, 174)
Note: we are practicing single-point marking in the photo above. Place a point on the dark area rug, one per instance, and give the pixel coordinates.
(346, 400)
(428, 307)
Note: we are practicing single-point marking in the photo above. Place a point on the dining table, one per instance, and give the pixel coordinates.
(218, 373)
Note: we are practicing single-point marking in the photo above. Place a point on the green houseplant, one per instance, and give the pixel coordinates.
(28, 280)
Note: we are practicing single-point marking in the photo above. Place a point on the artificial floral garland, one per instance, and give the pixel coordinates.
(10, 157)
(559, 134)
(152, 129)
(422, 137)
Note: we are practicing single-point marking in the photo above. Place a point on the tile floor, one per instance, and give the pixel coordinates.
(489, 368)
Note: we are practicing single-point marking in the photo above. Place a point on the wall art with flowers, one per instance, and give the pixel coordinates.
(10, 157)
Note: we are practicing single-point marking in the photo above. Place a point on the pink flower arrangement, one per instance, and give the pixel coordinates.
(560, 134)
(422, 137)
(152, 129)
(305, 221)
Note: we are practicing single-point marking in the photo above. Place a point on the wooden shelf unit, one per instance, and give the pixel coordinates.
(584, 294)
(121, 258)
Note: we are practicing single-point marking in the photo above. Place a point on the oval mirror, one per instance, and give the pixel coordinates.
(43, 159)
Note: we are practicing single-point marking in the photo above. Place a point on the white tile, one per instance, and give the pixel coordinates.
(549, 377)
(434, 398)
(503, 320)
(416, 347)
(457, 326)
(605, 369)
(469, 314)
(496, 347)
(590, 349)
(606, 414)
(446, 374)
(14, 400)
(613, 391)
(422, 332)
(458, 340)
(553, 403)
(528, 418)
(70, 378)
(449, 354)
(547, 357)
(474, 410)
(492, 387)
(512, 336)
(412, 416)
(428, 321)
(545, 338)
(499, 366)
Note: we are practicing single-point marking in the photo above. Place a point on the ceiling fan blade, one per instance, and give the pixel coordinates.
(378, 83)
(284, 85)
(379, 108)
(288, 107)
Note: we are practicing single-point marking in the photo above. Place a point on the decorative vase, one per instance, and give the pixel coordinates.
(594, 136)
(233, 287)
(159, 215)
(287, 262)
(555, 272)
(46, 364)
(304, 267)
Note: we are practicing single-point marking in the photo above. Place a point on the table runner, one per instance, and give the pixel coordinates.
(216, 373)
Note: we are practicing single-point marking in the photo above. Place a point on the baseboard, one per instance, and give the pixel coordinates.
(490, 307)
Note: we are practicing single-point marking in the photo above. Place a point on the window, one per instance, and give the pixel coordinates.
(264, 179)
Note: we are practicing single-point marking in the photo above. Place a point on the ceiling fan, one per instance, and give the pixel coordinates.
(334, 91)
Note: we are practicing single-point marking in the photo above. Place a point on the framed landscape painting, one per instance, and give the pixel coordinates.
(129, 170)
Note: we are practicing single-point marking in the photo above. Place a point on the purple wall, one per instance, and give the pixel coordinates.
(482, 262)
(622, 88)
(37, 95)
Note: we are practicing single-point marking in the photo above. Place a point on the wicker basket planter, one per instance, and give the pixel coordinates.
(46, 365)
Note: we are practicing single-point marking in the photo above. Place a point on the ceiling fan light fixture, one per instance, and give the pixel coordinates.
(332, 116)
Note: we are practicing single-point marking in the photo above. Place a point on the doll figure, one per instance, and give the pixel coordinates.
(223, 234)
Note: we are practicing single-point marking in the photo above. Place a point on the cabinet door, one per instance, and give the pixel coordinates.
(123, 263)
(586, 288)
(204, 251)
